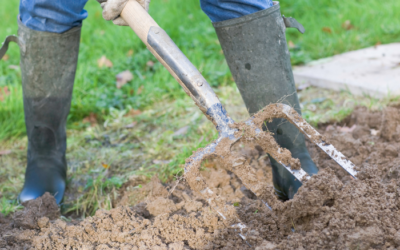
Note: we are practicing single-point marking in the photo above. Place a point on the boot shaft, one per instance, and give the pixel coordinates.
(257, 54)
(48, 66)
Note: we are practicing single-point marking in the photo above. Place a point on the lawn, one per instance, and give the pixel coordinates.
(149, 125)
(331, 28)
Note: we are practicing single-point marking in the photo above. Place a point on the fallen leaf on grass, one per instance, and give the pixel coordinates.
(5, 152)
(140, 89)
(92, 119)
(4, 92)
(347, 25)
(150, 64)
(104, 62)
(130, 53)
(327, 30)
(123, 78)
(133, 112)
(5, 57)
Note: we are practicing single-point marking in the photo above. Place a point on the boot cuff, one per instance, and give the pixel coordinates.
(22, 29)
(248, 18)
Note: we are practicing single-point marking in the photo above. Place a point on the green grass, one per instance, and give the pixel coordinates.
(371, 22)
(12, 123)
(8, 206)
(322, 105)
(99, 193)
(95, 91)
(151, 145)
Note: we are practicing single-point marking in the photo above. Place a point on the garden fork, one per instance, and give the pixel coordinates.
(195, 85)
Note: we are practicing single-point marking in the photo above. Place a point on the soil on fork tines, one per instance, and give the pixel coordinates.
(330, 211)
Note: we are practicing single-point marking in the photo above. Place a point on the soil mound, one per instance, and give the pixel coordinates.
(16, 233)
(330, 211)
(36, 212)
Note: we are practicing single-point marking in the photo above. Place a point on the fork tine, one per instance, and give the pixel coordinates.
(279, 110)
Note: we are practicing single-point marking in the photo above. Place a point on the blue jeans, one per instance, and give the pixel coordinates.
(59, 16)
(221, 10)
(55, 16)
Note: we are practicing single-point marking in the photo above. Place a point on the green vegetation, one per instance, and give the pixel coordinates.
(8, 206)
(322, 105)
(331, 28)
(334, 27)
(166, 127)
(99, 192)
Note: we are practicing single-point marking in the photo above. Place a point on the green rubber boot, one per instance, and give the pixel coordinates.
(48, 65)
(256, 52)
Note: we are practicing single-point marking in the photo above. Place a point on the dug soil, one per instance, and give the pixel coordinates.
(330, 211)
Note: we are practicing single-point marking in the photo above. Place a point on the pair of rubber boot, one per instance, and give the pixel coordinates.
(257, 54)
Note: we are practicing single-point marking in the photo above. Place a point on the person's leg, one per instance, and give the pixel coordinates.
(52, 16)
(221, 10)
(49, 33)
(254, 45)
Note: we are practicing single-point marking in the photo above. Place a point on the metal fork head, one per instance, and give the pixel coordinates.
(229, 130)
(229, 134)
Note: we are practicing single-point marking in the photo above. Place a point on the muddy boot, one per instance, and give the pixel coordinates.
(256, 51)
(48, 65)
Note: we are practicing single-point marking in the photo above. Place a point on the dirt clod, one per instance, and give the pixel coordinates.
(161, 206)
(36, 209)
(43, 222)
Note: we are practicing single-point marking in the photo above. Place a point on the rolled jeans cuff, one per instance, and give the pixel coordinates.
(221, 10)
(52, 16)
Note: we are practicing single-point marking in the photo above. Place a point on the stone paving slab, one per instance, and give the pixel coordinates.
(374, 71)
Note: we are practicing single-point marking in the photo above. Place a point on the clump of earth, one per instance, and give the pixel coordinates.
(330, 211)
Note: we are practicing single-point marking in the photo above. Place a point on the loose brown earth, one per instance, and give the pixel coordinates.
(330, 211)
